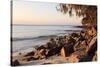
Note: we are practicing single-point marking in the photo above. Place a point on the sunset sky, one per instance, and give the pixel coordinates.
(41, 13)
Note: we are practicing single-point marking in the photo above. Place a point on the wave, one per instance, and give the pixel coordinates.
(31, 38)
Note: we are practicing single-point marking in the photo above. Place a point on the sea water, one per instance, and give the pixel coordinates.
(26, 37)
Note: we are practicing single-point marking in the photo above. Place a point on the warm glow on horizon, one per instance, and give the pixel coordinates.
(41, 13)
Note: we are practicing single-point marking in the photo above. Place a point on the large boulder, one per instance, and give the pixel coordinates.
(67, 50)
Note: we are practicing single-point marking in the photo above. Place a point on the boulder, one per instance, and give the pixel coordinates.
(41, 47)
(92, 42)
(75, 35)
(15, 63)
(89, 51)
(48, 45)
(53, 51)
(53, 43)
(63, 54)
(81, 45)
(67, 50)
(92, 47)
(71, 41)
(80, 56)
(30, 54)
(92, 31)
(42, 53)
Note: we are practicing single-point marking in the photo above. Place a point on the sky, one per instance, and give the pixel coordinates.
(41, 13)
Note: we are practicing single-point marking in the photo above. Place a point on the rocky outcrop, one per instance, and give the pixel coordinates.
(84, 45)
(76, 47)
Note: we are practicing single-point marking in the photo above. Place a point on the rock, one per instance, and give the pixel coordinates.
(73, 58)
(85, 58)
(63, 52)
(48, 45)
(71, 40)
(41, 47)
(80, 46)
(82, 35)
(60, 41)
(74, 35)
(64, 40)
(42, 53)
(30, 54)
(92, 42)
(92, 31)
(88, 52)
(79, 56)
(67, 50)
(95, 57)
(37, 54)
(53, 43)
(32, 58)
(37, 57)
(53, 51)
(92, 47)
(15, 63)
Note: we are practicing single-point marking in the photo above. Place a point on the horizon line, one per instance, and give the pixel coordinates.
(43, 25)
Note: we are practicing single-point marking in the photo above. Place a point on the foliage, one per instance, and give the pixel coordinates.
(88, 12)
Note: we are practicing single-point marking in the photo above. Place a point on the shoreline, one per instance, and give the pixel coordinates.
(68, 32)
(70, 48)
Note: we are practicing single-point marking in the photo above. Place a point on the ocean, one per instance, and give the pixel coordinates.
(26, 37)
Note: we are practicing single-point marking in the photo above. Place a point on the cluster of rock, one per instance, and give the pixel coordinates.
(76, 47)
